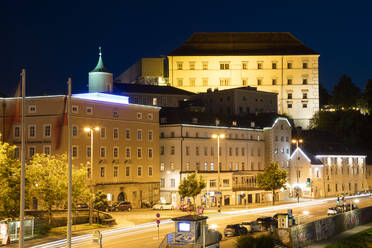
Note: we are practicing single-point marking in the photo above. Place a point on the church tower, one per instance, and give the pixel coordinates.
(100, 79)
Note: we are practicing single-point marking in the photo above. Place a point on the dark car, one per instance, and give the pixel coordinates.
(265, 223)
(123, 206)
(234, 230)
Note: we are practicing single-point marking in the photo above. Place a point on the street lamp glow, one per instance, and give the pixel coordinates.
(88, 129)
(306, 212)
(296, 141)
(356, 201)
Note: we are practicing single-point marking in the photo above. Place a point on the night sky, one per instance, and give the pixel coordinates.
(57, 39)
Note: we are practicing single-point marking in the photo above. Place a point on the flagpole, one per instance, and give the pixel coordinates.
(23, 156)
(69, 218)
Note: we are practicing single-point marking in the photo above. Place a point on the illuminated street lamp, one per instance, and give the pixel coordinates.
(90, 174)
(218, 137)
(297, 141)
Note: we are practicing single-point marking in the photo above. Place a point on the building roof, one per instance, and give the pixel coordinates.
(190, 218)
(149, 89)
(242, 43)
(244, 88)
(100, 67)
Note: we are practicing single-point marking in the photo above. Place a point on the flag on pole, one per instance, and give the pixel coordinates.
(60, 122)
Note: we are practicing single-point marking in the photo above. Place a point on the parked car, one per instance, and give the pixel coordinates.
(251, 226)
(332, 211)
(234, 230)
(82, 206)
(163, 206)
(123, 206)
(265, 223)
(187, 208)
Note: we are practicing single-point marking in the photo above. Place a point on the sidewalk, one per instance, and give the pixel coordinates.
(341, 236)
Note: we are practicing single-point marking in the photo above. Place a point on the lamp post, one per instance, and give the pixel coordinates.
(218, 137)
(297, 141)
(90, 175)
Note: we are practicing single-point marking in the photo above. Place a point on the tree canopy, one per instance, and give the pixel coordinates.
(345, 93)
(273, 178)
(191, 186)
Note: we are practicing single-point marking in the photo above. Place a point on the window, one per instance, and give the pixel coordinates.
(197, 151)
(289, 65)
(236, 166)
(304, 105)
(212, 166)
(47, 149)
(244, 81)
(139, 171)
(150, 152)
(139, 153)
(115, 152)
(205, 166)
(154, 101)
(89, 110)
(273, 65)
(150, 135)
(304, 95)
(150, 116)
(243, 165)
(173, 150)
(304, 81)
(127, 134)
(139, 115)
(173, 182)
(243, 151)
(224, 81)
(116, 169)
(259, 65)
(115, 114)
(290, 95)
(139, 134)
(102, 152)
(162, 182)
(245, 65)
(162, 167)
(88, 152)
(150, 171)
(236, 151)
(74, 151)
(102, 171)
(127, 171)
(179, 82)
(75, 109)
(304, 66)
(116, 133)
(179, 65)
(192, 82)
(47, 130)
(212, 183)
(289, 81)
(32, 131)
(88, 172)
(274, 81)
(103, 132)
(192, 65)
(17, 132)
(205, 82)
(31, 151)
(162, 149)
(205, 65)
(32, 109)
(259, 81)
(74, 131)
(224, 66)
(226, 182)
(289, 105)
(127, 152)
(230, 151)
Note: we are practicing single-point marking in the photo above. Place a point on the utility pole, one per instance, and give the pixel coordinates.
(23, 169)
(69, 215)
(218, 137)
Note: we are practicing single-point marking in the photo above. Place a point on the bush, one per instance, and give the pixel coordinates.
(262, 241)
(44, 228)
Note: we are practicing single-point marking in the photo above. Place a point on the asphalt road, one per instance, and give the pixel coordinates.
(146, 235)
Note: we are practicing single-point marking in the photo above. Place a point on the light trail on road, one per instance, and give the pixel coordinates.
(116, 233)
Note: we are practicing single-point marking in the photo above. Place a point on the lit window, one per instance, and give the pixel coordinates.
(162, 167)
(162, 182)
(179, 65)
(154, 101)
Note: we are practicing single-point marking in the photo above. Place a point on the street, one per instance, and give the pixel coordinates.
(146, 235)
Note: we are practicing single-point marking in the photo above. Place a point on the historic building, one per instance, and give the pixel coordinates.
(322, 167)
(274, 62)
(185, 148)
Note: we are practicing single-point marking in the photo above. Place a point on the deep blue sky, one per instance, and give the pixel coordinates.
(57, 39)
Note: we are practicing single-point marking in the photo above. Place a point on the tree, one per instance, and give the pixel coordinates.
(10, 173)
(273, 178)
(100, 201)
(345, 93)
(191, 186)
(368, 95)
(323, 96)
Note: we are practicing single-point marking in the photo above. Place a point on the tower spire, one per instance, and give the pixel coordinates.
(100, 67)
(100, 51)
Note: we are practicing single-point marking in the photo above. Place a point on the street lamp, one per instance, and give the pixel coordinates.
(218, 137)
(90, 175)
(297, 141)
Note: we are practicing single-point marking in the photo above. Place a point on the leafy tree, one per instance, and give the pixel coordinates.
(191, 186)
(323, 96)
(368, 95)
(345, 93)
(100, 201)
(10, 173)
(273, 178)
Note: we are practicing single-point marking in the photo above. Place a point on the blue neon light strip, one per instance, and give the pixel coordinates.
(102, 97)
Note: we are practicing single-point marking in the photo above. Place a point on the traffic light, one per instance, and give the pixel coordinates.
(308, 182)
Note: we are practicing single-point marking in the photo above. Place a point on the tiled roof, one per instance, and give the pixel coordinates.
(150, 89)
(242, 43)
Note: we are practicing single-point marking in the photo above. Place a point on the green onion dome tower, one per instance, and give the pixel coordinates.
(100, 79)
